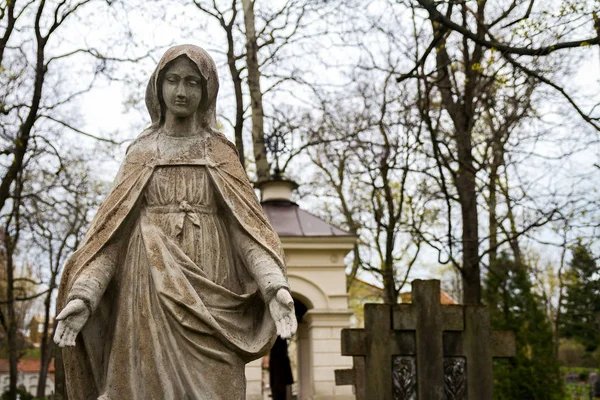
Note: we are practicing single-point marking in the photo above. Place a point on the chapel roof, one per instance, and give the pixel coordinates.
(289, 220)
(25, 365)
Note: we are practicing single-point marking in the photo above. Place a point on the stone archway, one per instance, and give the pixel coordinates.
(307, 296)
(322, 311)
(307, 292)
(297, 357)
(303, 353)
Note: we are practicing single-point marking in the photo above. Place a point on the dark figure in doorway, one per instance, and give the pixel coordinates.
(280, 371)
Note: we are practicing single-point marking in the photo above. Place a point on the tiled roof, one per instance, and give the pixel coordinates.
(25, 366)
(367, 289)
(444, 298)
(290, 220)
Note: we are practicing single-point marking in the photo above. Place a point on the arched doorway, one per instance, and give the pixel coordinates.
(294, 357)
(302, 353)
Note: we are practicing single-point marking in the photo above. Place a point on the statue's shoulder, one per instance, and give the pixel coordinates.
(220, 141)
(225, 154)
(143, 148)
(144, 142)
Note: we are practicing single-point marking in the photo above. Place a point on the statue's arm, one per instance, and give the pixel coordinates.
(85, 294)
(260, 263)
(95, 277)
(270, 279)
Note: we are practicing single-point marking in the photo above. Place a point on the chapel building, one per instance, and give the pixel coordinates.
(314, 254)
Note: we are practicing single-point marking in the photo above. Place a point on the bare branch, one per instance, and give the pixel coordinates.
(436, 16)
(66, 125)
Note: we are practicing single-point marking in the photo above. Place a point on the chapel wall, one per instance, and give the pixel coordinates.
(316, 272)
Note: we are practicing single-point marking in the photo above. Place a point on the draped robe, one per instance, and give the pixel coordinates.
(177, 267)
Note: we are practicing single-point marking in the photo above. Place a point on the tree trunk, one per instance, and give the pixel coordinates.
(60, 390)
(46, 356)
(258, 135)
(239, 110)
(492, 204)
(493, 225)
(462, 113)
(470, 236)
(21, 142)
(513, 234)
(237, 89)
(10, 241)
(10, 26)
(561, 287)
(467, 195)
(46, 343)
(557, 322)
(13, 350)
(389, 284)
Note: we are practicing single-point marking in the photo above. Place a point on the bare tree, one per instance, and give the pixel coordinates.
(57, 208)
(473, 105)
(505, 117)
(227, 19)
(263, 170)
(483, 32)
(372, 171)
(37, 101)
(260, 70)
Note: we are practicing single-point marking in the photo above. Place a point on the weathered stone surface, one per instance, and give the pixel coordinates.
(181, 279)
(452, 347)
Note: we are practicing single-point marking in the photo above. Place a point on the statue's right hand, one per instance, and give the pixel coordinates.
(70, 321)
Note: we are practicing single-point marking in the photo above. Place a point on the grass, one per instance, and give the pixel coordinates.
(580, 390)
(576, 391)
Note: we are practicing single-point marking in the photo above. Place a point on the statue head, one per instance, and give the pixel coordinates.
(180, 88)
(185, 83)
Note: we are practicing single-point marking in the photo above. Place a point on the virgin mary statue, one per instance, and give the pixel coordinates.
(180, 280)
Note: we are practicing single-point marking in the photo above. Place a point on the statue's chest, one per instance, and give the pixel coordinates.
(181, 148)
(180, 174)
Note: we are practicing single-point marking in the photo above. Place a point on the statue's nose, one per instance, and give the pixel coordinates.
(180, 93)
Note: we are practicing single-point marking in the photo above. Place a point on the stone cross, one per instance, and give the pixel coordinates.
(423, 350)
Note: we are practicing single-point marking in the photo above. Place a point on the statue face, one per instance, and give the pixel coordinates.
(182, 88)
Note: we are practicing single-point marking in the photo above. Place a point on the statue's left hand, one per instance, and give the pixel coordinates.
(282, 311)
(70, 321)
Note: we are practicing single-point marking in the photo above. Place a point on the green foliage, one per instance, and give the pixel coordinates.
(577, 392)
(581, 306)
(571, 353)
(533, 373)
(360, 294)
(22, 394)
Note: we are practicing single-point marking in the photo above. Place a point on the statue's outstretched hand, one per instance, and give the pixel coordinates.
(70, 321)
(282, 311)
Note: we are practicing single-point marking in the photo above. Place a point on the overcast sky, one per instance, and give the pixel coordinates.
(103, 110)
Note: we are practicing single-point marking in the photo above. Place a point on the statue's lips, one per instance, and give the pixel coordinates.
(180, 103)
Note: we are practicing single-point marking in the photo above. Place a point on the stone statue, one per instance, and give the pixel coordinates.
(180, 280)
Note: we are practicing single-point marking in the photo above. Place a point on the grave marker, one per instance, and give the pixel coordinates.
(423, 350)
